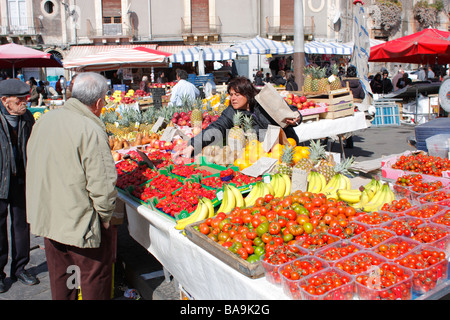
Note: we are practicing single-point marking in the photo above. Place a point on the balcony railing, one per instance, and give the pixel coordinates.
(21, 26)
(274, 26)
(108, 29)
(214, 27)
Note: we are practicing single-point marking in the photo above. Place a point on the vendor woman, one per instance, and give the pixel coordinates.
(242, 97)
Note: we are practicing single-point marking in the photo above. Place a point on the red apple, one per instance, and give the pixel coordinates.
(303, 99)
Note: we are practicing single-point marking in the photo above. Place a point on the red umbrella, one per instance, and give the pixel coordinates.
(428, 46)
(16, 56)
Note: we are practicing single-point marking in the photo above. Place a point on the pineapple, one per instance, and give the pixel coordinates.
(196, 116)
(308, 79)
(336, 84)
(222, 106)
(315, 79)
(317, 161)
(286, 161)
(343, 166)
(250, 133)
(323, 80)
(236, 135)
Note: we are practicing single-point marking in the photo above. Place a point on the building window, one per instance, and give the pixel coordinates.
(49, 7)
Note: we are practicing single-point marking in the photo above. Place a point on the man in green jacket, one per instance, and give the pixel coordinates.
(71, 192)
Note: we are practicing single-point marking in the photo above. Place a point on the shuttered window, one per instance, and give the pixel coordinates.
(200, 16)
(112, 11)
(286, 15)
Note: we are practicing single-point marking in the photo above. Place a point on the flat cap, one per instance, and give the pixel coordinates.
(14, 87)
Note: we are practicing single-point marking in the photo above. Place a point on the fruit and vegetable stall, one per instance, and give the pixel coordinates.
(307, 227)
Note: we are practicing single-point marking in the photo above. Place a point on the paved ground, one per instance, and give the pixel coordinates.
(137, 269)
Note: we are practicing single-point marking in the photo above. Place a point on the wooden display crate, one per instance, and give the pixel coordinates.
(252, 270)
(339, 103)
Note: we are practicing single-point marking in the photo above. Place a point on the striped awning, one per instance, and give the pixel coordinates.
(319, 47)
(259, 45)
(76, 52)
(208, 53)
(137, 57)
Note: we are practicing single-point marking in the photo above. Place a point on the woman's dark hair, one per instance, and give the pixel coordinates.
(377, 76)
(243, 86)
(290, 76)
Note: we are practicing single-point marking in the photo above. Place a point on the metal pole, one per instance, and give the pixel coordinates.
(299, 43)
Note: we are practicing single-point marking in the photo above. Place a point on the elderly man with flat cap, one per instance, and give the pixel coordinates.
(16, 123)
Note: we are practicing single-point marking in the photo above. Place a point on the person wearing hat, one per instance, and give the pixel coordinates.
(16, 123)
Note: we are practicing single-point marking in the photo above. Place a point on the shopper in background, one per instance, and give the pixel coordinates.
(143, 85)
(377, 84)
(70, 199)
(183, 88)
(34, 95)
(16, 123)
(395, 79)
(161, 78)
(354, 83)
(268, 78)
(404, 81)
(61, 86)
(386, 83)
(279, 79)
(291, 85)
(259, 78)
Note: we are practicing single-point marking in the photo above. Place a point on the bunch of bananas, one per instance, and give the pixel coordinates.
(204, 210)
(337, 182)
(373, 196)
(232, 198)
(260, 189)
(316, 182)
(281, 184)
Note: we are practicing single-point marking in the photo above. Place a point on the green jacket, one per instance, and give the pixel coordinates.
(71, 176)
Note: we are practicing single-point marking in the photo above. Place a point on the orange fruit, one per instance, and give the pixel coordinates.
(292, 142)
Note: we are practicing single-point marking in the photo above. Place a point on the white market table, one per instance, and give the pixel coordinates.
(331, 127)
(201, 274)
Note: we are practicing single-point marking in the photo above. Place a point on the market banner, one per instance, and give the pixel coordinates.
(361, 47)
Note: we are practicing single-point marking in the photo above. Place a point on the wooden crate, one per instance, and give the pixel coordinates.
(339, 102)
(252, 270)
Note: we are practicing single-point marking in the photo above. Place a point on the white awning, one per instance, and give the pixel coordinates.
(259, 45)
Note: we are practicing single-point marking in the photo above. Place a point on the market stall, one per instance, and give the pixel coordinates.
(259, 222)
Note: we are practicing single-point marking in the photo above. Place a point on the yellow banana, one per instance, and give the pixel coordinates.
(210, 206)
(323, 181)
(225, 200)
(363, 200)
(349, 196)
(287, 182)
(237, 195)
(331, 184)
(347, 182)
(377, 201)
(182, 223)
(312, 181)
(250, 199)
(204, 212)
(270, 187)
(275, 183)
(266, 188)
(390, 197)
(281, 186)
(231, 201)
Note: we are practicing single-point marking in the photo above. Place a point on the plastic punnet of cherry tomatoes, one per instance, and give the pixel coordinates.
(375, 218)
(329, 284)
(397, 206)
(403, 226)
(442, 218)
(315, 242)
(293, 271)
(359, 262)
(346, 229)
(272, 261)
(424, 211)
(395, 247)
(441, 197)
(435, 234)
(389, 281)
(421, 163)
(337, 251)
(428, 265)
(372, 237)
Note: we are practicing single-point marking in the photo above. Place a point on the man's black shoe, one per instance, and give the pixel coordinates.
(2, 285)
(27, 278)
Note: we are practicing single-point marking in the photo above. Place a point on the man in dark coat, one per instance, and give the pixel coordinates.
(16, 123)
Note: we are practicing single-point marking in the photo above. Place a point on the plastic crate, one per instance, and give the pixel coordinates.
(119, 87)
(386, 115)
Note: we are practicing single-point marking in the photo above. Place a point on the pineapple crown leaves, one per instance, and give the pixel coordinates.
(287, 155)
(344, 167)
(223, 97)
(237, 118)
(316, 151)
(109, 117)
